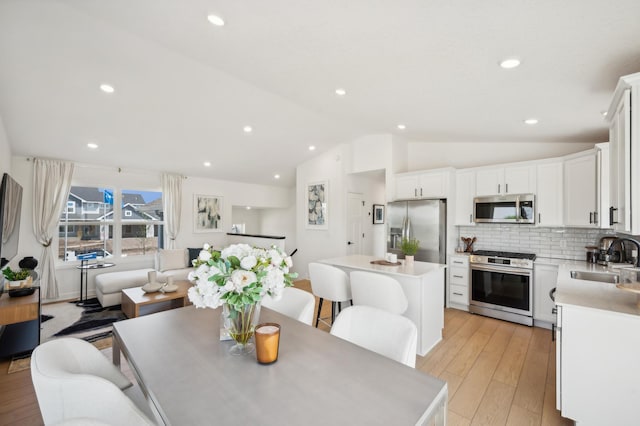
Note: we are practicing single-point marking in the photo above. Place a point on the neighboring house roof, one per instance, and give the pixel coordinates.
(132, 199)
(87, 194)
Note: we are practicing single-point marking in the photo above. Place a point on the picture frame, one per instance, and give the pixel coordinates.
(317, 205)
(208, 213)
(378, 214)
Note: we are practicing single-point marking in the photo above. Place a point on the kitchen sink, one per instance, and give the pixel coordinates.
(603, 277)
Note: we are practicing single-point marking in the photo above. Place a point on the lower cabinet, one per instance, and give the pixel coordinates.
(459, 282)
(544, 280)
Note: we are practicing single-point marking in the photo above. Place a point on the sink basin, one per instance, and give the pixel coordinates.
(603, 277)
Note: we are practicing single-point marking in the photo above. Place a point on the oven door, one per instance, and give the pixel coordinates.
(502, 288)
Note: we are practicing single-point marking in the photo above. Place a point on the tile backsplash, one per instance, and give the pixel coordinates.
(558, 243)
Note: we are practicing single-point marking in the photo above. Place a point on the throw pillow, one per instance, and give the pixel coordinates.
(193, 254)
(171, 259)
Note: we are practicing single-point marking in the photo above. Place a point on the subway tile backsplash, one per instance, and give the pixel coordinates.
(558, 243)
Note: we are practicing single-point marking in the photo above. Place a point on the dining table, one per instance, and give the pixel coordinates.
(189, 377)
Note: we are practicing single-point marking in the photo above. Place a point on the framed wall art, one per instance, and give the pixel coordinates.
(378, 214)
(208, 213)
(317, 205)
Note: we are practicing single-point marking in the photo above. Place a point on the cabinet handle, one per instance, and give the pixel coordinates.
(498, 188)
(471, 218)
(415, 192)
(611, 210)
(457, 294)
(506, 188)
(421, 192)
(595, 217)
(458, 262)
(458, 276)
(590, 217)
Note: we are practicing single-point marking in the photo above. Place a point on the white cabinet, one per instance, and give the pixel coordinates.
(624, 161)
(506, 180)
(545, 278)
(465, 191)
(459, 282)
(432, 184)
(549, 194)
(580, 191)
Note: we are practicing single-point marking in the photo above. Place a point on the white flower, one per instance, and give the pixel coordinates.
(276, 257)
(237, 250)
(206, 247)
(204, 256)
(248, 262)
(288, 262)
(241, 279)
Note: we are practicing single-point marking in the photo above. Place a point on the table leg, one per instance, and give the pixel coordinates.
(115, 350)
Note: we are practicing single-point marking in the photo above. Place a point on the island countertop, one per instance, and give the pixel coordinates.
(363, 262)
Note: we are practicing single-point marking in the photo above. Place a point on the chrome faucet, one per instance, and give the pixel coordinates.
(621, 241)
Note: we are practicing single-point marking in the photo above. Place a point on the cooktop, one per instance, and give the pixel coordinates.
(505, 254)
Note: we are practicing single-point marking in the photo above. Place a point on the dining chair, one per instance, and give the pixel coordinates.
(72, 379)
(294, 303)
(379, 291)
(329, 282)
(387, 334)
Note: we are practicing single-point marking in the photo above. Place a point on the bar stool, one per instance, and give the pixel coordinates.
(329, 282)
(378, 291)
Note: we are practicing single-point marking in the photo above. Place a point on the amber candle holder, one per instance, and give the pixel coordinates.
(267, 338)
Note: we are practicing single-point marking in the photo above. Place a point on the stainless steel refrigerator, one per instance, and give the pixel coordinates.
(425, 220)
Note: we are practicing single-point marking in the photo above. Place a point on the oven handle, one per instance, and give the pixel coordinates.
(496, 268)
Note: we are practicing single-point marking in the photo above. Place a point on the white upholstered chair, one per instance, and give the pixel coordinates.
(329, 282)
(390, 335)
(379, 291)
(294, 303)
(72, 379)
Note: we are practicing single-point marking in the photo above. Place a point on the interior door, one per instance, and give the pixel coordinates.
(354, 223)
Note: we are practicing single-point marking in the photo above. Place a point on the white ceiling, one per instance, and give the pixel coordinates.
(185, 89)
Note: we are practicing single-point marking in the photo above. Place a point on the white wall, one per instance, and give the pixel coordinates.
(232, 193)
(250, 218)
(5, 150)
(424, 156)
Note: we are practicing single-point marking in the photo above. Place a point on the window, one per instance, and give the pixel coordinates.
(137, 216)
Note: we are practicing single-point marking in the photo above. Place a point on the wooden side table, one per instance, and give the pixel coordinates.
(135, 302)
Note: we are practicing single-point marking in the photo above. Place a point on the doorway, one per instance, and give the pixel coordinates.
(354, 223)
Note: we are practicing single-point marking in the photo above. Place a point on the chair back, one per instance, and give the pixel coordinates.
(72, 379)
(294, 303)
(329, 282)
(379, 291)
(387, 334)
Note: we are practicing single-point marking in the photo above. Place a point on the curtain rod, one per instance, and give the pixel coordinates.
(113, 168)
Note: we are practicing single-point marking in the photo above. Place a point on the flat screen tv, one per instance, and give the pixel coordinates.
(10, 209)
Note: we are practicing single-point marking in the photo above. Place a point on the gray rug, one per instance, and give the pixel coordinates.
(93, 317)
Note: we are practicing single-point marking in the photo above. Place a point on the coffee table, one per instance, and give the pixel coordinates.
(135, 302)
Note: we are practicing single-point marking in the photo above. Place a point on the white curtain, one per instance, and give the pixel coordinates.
(172, 204)
(51, 184)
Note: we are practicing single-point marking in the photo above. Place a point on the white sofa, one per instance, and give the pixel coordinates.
(174, 263)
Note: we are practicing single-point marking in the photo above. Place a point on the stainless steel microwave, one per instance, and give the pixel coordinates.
(512, 208)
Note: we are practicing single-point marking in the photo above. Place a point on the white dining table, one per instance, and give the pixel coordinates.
(190, 378)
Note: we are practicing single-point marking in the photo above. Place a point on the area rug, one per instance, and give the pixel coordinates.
(100, 341)
(93, 317)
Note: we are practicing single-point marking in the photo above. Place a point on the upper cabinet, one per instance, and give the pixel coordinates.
(549, 194)
(465, 191)
(432, 184)
(506, 180)
(584, 176)
(624, 138)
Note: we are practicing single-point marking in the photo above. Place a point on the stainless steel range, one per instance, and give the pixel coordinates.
(502, 285)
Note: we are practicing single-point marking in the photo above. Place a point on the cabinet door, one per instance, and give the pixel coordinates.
(620, 153)
(580, 201)
(519, 180)
(544, 280)
(465, 191)
(433, 185)
(406, 187)
(489, 181)
(549, 194)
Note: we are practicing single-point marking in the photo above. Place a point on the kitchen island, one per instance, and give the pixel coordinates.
(597, 348)
(422, 283)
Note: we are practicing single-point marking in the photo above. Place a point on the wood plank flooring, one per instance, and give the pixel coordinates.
(498, 373)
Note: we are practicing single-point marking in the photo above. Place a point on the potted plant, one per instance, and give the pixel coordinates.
(409, 247)
(17, 279)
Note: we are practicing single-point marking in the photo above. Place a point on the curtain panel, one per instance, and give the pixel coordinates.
(172, 204)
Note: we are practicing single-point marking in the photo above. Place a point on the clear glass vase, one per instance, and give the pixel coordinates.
(241, 325)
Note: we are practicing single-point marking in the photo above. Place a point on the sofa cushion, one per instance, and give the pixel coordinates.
(171, 259)
(114, 282)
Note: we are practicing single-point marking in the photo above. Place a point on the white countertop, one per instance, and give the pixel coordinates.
(593, 294)
(362, 262)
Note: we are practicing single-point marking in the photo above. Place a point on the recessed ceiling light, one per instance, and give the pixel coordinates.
(207, 164)
(312, 148)
(215, 20)
(248, 207)
(604, 113)
(276, 176)
(341, 92)
(531, 121)
(401, 126)
(92, 145)
(107, 88)
(247, 129)
(510, 63)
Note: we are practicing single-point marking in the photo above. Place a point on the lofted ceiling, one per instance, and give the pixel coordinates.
(184, 89)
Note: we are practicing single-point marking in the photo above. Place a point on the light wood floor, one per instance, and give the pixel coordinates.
(498, 373)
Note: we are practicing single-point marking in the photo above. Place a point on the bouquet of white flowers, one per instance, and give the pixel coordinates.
(239, 275)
